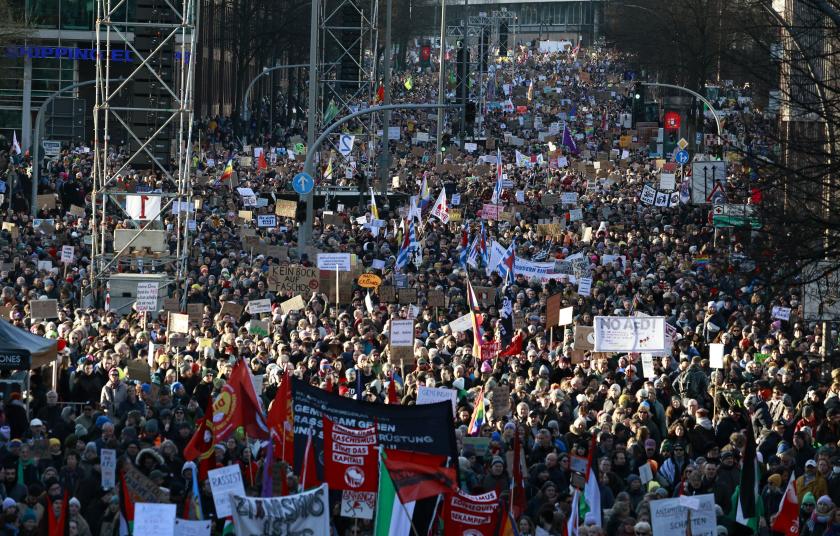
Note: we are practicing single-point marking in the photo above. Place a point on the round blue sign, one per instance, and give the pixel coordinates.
(681, 157)
(303, 183)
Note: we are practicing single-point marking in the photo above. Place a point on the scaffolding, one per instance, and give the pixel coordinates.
(348, 44)
(142, 125)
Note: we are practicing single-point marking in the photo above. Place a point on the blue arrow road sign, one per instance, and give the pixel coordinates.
(303, 183)
(681, 157)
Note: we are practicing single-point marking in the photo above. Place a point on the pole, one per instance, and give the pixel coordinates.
(385, 156)
(464, 83)
(36, 137)
(441, 82)
(305, 230)
(310, 121)
(246, 112)
(26, 114)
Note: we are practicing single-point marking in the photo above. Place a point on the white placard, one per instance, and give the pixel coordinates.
(669, 516)
(187, 527)
(154, 518)
(67, 254)
(224, 483)
(456, 200)
(259, 306)
(667, 181)
(645, 473)
(378, 264)
(782, 313)
(303, 513)
(629, 334)
(266, 220)
(334, 262)
(569, 198)
(576, 214)
(520, 196)
(716, 355)
(431, 395)
(470, 147)
(147, 297)
(585, 286)
(246, 192)
(463, 323)
(402, 333)
(567, 316)
(108, 464)
(647, 366)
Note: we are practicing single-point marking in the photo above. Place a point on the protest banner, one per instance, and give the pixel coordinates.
(351, 463)
(302, 513)
(431, 395)
(629, 334)
(225, 482)
(471, 514)
(140, 488)
(670, 516)
(398, 427)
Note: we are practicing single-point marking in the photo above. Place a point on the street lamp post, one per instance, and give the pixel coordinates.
(699, 96)
(305, 230)
(36, 138)
(246, 113)
(441, 83)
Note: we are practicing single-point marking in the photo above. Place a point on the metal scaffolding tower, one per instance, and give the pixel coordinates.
(348, 41)
(143, 127)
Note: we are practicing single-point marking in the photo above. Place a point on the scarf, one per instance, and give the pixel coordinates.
(22, 464)
(56, 525)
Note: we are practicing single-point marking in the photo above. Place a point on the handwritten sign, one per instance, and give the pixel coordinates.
(224, 483)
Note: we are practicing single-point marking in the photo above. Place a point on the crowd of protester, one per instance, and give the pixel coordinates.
(690, 422)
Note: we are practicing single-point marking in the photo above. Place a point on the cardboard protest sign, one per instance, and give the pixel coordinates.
(500, 401)
(295, 279)
(293, 304)
(285, 208)
(225, 482)
(552, 310)
(43, 309)
(401, 341)
(178, 323)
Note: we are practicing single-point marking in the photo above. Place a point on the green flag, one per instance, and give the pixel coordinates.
(330, 113)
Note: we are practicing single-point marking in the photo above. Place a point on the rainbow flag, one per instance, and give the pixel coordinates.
(228, 171)
(478, 415)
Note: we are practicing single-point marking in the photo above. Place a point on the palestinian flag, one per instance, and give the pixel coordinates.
(393, 518)
(746, 501)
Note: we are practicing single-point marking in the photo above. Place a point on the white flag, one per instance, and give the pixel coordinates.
(369, 303)
(15, 144)
(142, 207)
(440, 210)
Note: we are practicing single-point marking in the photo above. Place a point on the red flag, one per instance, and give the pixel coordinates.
(787, 520)
(392, 391)
(518, 501)
(515, 347)
(238, 405)
(380, 94)
(261, 163)
(280, 422)
(350, 457)
(417, 476)
(200, 446)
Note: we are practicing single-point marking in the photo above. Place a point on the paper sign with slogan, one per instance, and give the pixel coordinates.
(296, 279)
(552, 309)
(402, 341)
(285, 208)
(225, 482)
(256, 307)
(334, 262)
(500, 401)
(67, 254)
(46, 201)
(232, 309)
(387, 294)
(43, 309)
(179, 323)
(294, 304)
(171, 305)
(195, 313)
(486, 296)
(245, 215)
(139, 370)
(436, 298)
(153, 518)
(261, 328)
(406, 296)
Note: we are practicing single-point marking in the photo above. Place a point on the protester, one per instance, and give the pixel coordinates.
(577, 231)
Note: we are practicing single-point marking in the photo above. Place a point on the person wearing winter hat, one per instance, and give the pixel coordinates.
(822, 517)
(496, 478)
(811, 481)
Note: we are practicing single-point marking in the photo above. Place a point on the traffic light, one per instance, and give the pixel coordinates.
(637, 102)
(446, 139)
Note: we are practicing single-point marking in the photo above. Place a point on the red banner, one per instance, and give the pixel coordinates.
(350, 457)
(471, 514)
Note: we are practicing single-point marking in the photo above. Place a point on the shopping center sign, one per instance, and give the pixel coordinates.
(72, 53)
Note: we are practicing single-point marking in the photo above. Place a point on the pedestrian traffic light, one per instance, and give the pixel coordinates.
(638, 91)
(446, 139)
(637, 102)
